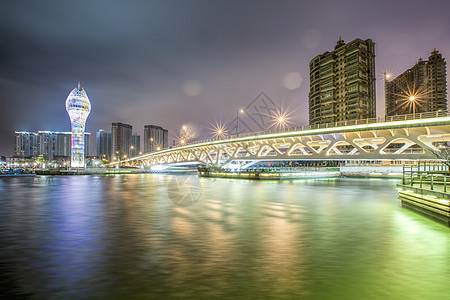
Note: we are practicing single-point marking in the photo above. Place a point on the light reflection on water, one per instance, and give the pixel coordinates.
(122, 237)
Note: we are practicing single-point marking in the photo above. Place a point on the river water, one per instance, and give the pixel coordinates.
(177, 236)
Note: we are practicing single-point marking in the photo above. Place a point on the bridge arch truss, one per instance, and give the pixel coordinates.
(410, 139)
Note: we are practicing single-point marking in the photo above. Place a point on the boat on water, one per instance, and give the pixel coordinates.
(17, 172)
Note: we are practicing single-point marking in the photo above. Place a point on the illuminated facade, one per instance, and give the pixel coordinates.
(155, 138)
(423, 88)
(342, 83)
(49, 143)
(121, 140)
(78, 107)
(135, 145)
(103, 141)
(26, 143)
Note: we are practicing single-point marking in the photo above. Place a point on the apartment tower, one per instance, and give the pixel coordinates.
(342, 83)
(423, 88)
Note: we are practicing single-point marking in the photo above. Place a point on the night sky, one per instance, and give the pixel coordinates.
(172, 62)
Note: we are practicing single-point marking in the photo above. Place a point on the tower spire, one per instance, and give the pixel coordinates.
(79, 86)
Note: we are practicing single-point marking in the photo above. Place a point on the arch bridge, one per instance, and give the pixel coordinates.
(407, 137)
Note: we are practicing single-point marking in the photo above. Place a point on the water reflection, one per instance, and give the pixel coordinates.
(122, 237)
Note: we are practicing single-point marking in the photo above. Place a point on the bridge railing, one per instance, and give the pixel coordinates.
(384, 119)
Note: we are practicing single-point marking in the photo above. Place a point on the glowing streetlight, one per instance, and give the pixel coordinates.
(219, 130)
(159, 148)
(185, 134)
(412, 99)
(237, 120)
(281, 119)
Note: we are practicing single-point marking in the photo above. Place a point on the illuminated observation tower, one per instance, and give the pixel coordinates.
(78, 107)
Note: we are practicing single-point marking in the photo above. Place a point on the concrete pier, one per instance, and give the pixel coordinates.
(432, 204)
(425, 189)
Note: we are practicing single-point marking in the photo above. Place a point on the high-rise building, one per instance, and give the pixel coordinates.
(135, 145)
(155, 138)
(342, 83)
(62, 143)
(26, 143)
(423, 88)
(78, 107)
(46, 143)
(103, 141)
(120, 140)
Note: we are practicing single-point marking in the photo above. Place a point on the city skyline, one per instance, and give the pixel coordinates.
(167, 63)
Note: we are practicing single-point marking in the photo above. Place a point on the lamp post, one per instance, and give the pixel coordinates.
(386, 79)
(237, 120)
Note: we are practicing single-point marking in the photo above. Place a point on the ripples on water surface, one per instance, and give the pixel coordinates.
(122, 237)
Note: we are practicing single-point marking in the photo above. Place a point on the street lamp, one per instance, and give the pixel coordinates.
(386, 79)
(237, 120)
(219, 130)
(281, 119)
(413, 101)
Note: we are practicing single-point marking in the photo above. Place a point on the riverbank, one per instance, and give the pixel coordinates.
(290, 173)
(303, 172)
(269, 174)
(110, 171)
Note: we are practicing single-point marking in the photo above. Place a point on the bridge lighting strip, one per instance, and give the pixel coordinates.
(352, 128)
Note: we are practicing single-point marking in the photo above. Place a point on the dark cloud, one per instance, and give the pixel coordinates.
(136, 58)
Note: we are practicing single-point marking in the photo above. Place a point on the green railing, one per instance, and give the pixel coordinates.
(430, 175)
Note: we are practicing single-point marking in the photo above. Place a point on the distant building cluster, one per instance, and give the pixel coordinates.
(53, 145)
(342, 85)
(120, 143)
